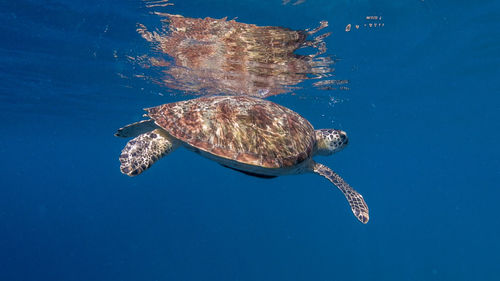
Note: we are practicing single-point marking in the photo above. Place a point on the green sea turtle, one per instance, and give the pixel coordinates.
(254, 136)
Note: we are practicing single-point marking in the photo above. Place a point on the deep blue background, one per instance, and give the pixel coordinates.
(422, 115)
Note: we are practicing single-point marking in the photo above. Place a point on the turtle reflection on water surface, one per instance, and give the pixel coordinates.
(218, 56)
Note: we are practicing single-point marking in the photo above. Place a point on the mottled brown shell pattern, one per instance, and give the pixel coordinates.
(248, 130)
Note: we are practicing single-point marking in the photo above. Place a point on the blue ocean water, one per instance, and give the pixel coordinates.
(421, 108)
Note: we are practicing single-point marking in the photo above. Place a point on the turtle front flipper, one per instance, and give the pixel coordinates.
(141, 152)
(358, 205)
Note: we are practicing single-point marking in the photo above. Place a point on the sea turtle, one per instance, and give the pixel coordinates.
(254, 136)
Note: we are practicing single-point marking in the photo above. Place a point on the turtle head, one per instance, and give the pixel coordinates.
(329, 141)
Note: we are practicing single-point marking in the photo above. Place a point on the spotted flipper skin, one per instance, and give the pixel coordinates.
(358, 205)
(144, 150)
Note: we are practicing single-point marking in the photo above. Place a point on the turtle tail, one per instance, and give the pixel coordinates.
(143, 151)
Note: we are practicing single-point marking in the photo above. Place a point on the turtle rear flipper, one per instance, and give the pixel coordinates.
(358, 205)
(144, 150)
(137, 128)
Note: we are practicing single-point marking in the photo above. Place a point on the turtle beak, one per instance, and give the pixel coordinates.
(343, 137)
